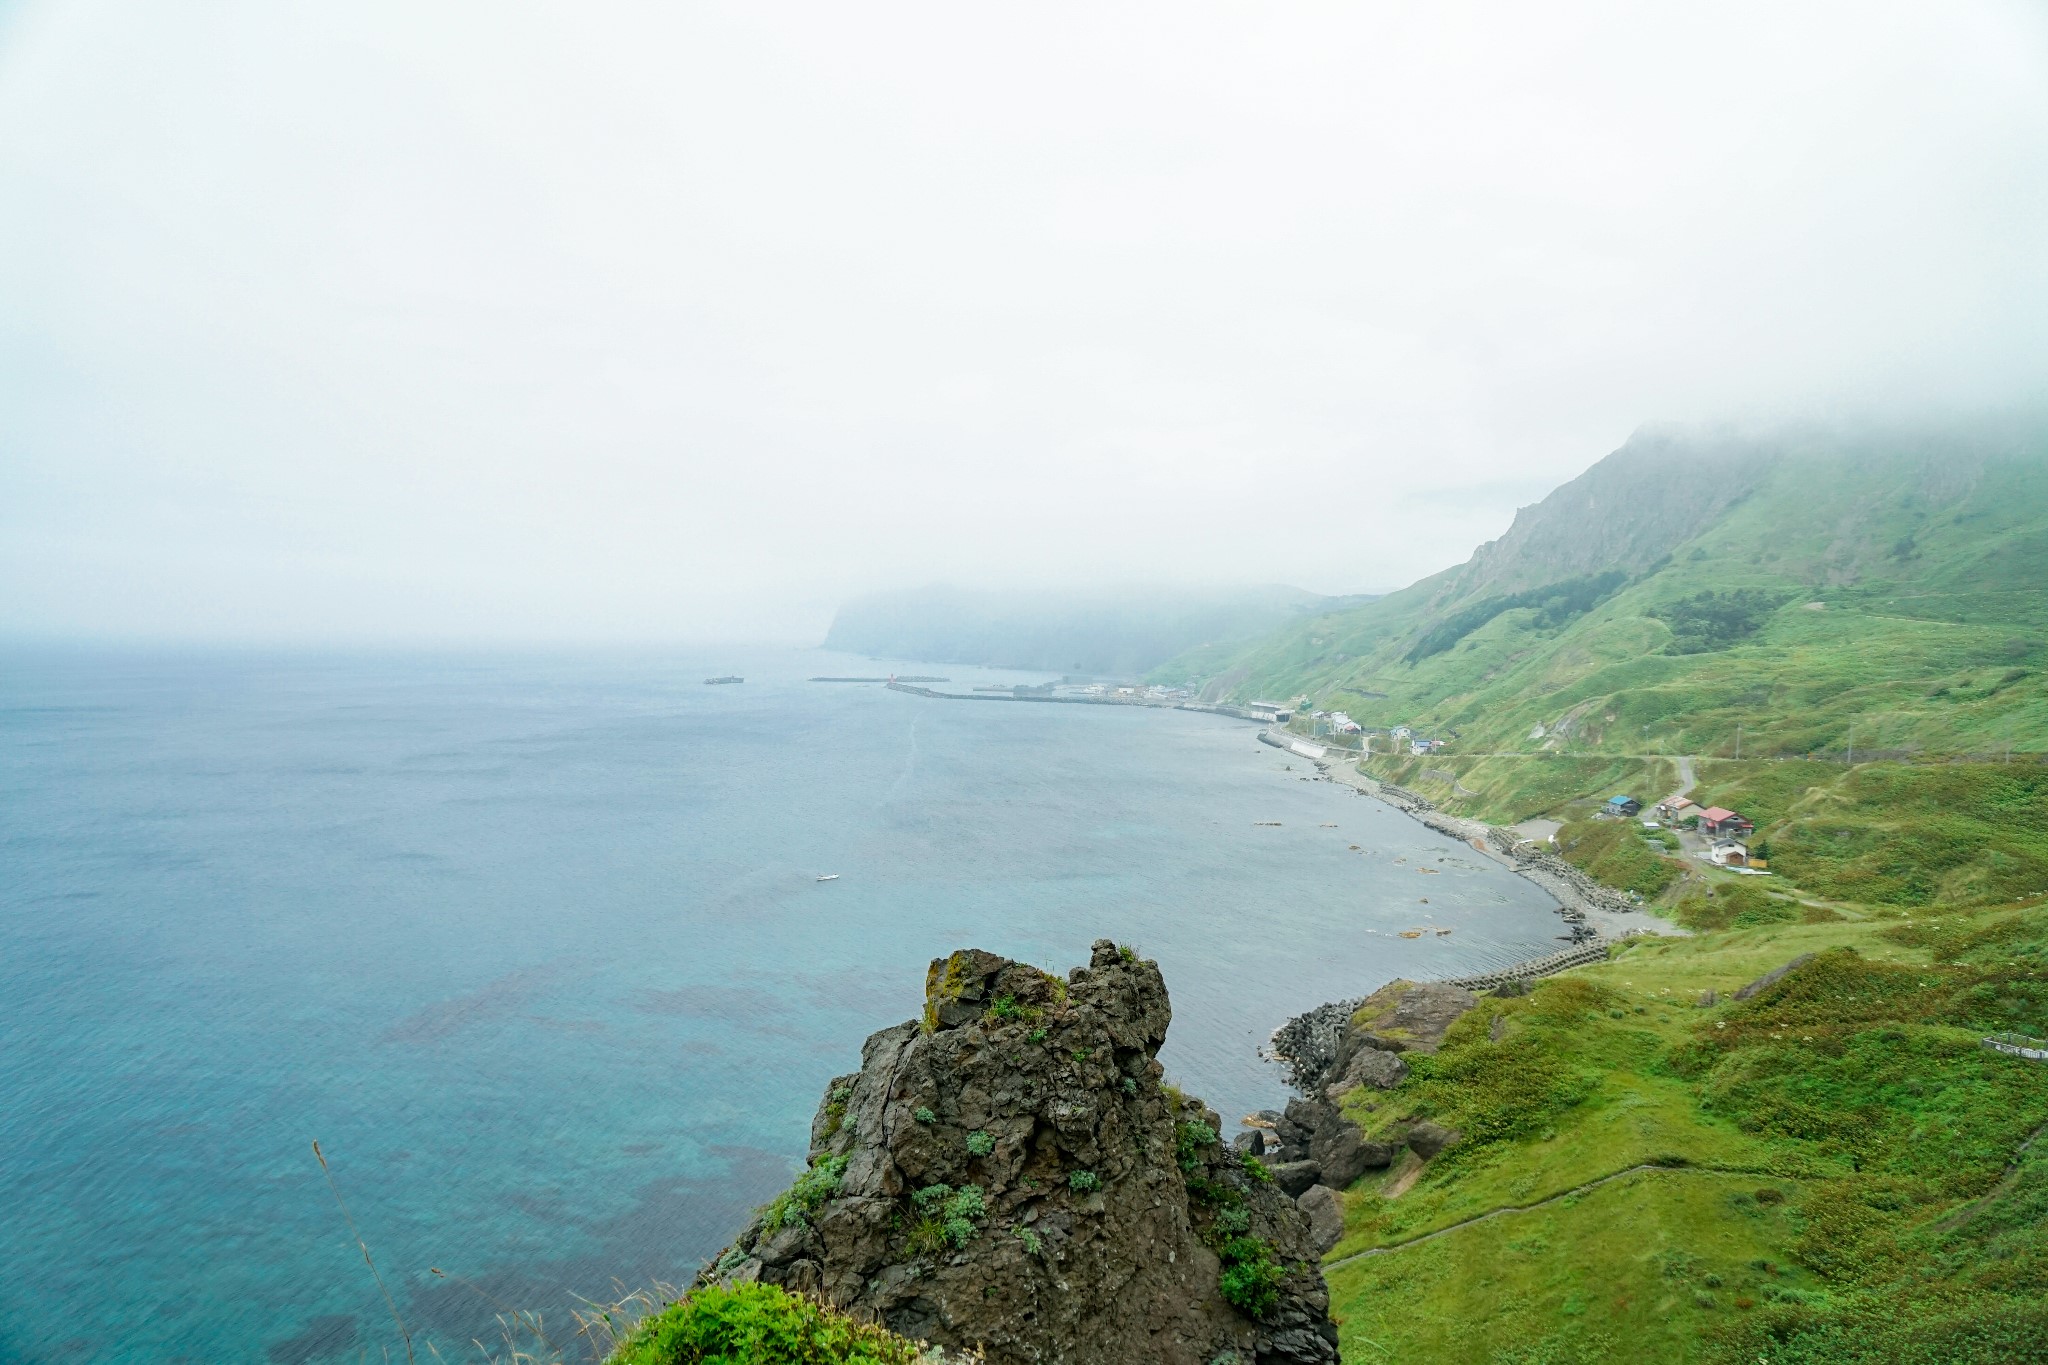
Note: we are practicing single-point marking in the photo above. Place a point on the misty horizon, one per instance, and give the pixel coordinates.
(490, 326)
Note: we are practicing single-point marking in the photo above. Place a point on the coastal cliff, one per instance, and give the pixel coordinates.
(1010, 1173)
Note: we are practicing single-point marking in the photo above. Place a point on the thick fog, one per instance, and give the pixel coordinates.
(613, 321)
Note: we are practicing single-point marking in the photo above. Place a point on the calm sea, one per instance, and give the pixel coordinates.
(535, 947)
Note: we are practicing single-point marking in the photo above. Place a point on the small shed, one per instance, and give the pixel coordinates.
(1674, 808)
(1718, 820)
(1622, 805)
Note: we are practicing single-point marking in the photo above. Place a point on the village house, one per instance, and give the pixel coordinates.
(1676, 808)
(1718, 820)
(1621, 806)
(1728, 853)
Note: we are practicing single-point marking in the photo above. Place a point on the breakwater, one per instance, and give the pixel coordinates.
(1035, 695)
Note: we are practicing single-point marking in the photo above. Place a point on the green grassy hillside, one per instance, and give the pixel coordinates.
(1845, 635)
(1808, 593)
(1832, 1171)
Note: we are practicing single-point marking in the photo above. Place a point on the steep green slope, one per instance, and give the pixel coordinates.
(1834, 1170)
(1813, 591)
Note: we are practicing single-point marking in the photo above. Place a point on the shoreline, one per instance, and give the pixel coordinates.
(1596, 916)
(1305, 1044)
(1595, 912)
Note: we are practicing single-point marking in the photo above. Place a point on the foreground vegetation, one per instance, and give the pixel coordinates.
(759, 1324)
(1835, 1170)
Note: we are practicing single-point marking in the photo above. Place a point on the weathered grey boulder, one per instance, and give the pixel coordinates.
(1345, 1153)
(1427, 1139)
(1325, 1216)
(1294, 1177)
(1008, 1173)
(1368, 1066)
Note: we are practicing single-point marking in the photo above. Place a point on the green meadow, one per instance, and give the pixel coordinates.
(1830, 1171)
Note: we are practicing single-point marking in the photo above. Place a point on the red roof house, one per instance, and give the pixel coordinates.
(1720, 820)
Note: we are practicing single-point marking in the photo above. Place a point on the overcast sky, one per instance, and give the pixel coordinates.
(680, 320)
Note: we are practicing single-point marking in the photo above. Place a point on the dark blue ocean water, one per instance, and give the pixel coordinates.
(533, 945)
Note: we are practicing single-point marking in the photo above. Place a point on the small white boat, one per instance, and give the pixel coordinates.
(829, 877)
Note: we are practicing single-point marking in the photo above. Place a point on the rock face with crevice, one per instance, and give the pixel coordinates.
(1009, 1173)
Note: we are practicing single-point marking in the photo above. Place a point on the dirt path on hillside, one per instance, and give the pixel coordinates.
(1687, 778)
(1328, 1266)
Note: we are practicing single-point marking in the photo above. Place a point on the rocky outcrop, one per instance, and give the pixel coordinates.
(1009, 1173)
(1325, 1216)
(1353, 1045)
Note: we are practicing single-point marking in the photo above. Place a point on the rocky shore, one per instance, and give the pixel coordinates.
(1591, 911)
(1340, 1048)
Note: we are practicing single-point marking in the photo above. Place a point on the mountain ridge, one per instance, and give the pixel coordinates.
(1877, 569)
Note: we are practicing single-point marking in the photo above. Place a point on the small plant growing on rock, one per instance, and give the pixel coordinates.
(980, 1144)
(1189, 1141)
(835, 1108)
(968, 1202)
(1130, 1085)
(924, 1115)
(1256, 1169)
(1083, 1182)
(1036, 1035)
(1032, 1245)
(1251, 1276)
(1006, 1008)
(949, 1216)
(1213, 1193)
(811, 1189)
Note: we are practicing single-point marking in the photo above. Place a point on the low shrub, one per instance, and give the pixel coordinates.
(947, 1217)
(811, 1189)
(760, 1324)
(1190, 1141)
(1251, 1276)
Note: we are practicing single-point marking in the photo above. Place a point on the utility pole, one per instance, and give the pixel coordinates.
(1849, 748)
(1738, 741)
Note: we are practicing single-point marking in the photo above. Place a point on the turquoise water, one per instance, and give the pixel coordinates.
(534, 946)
